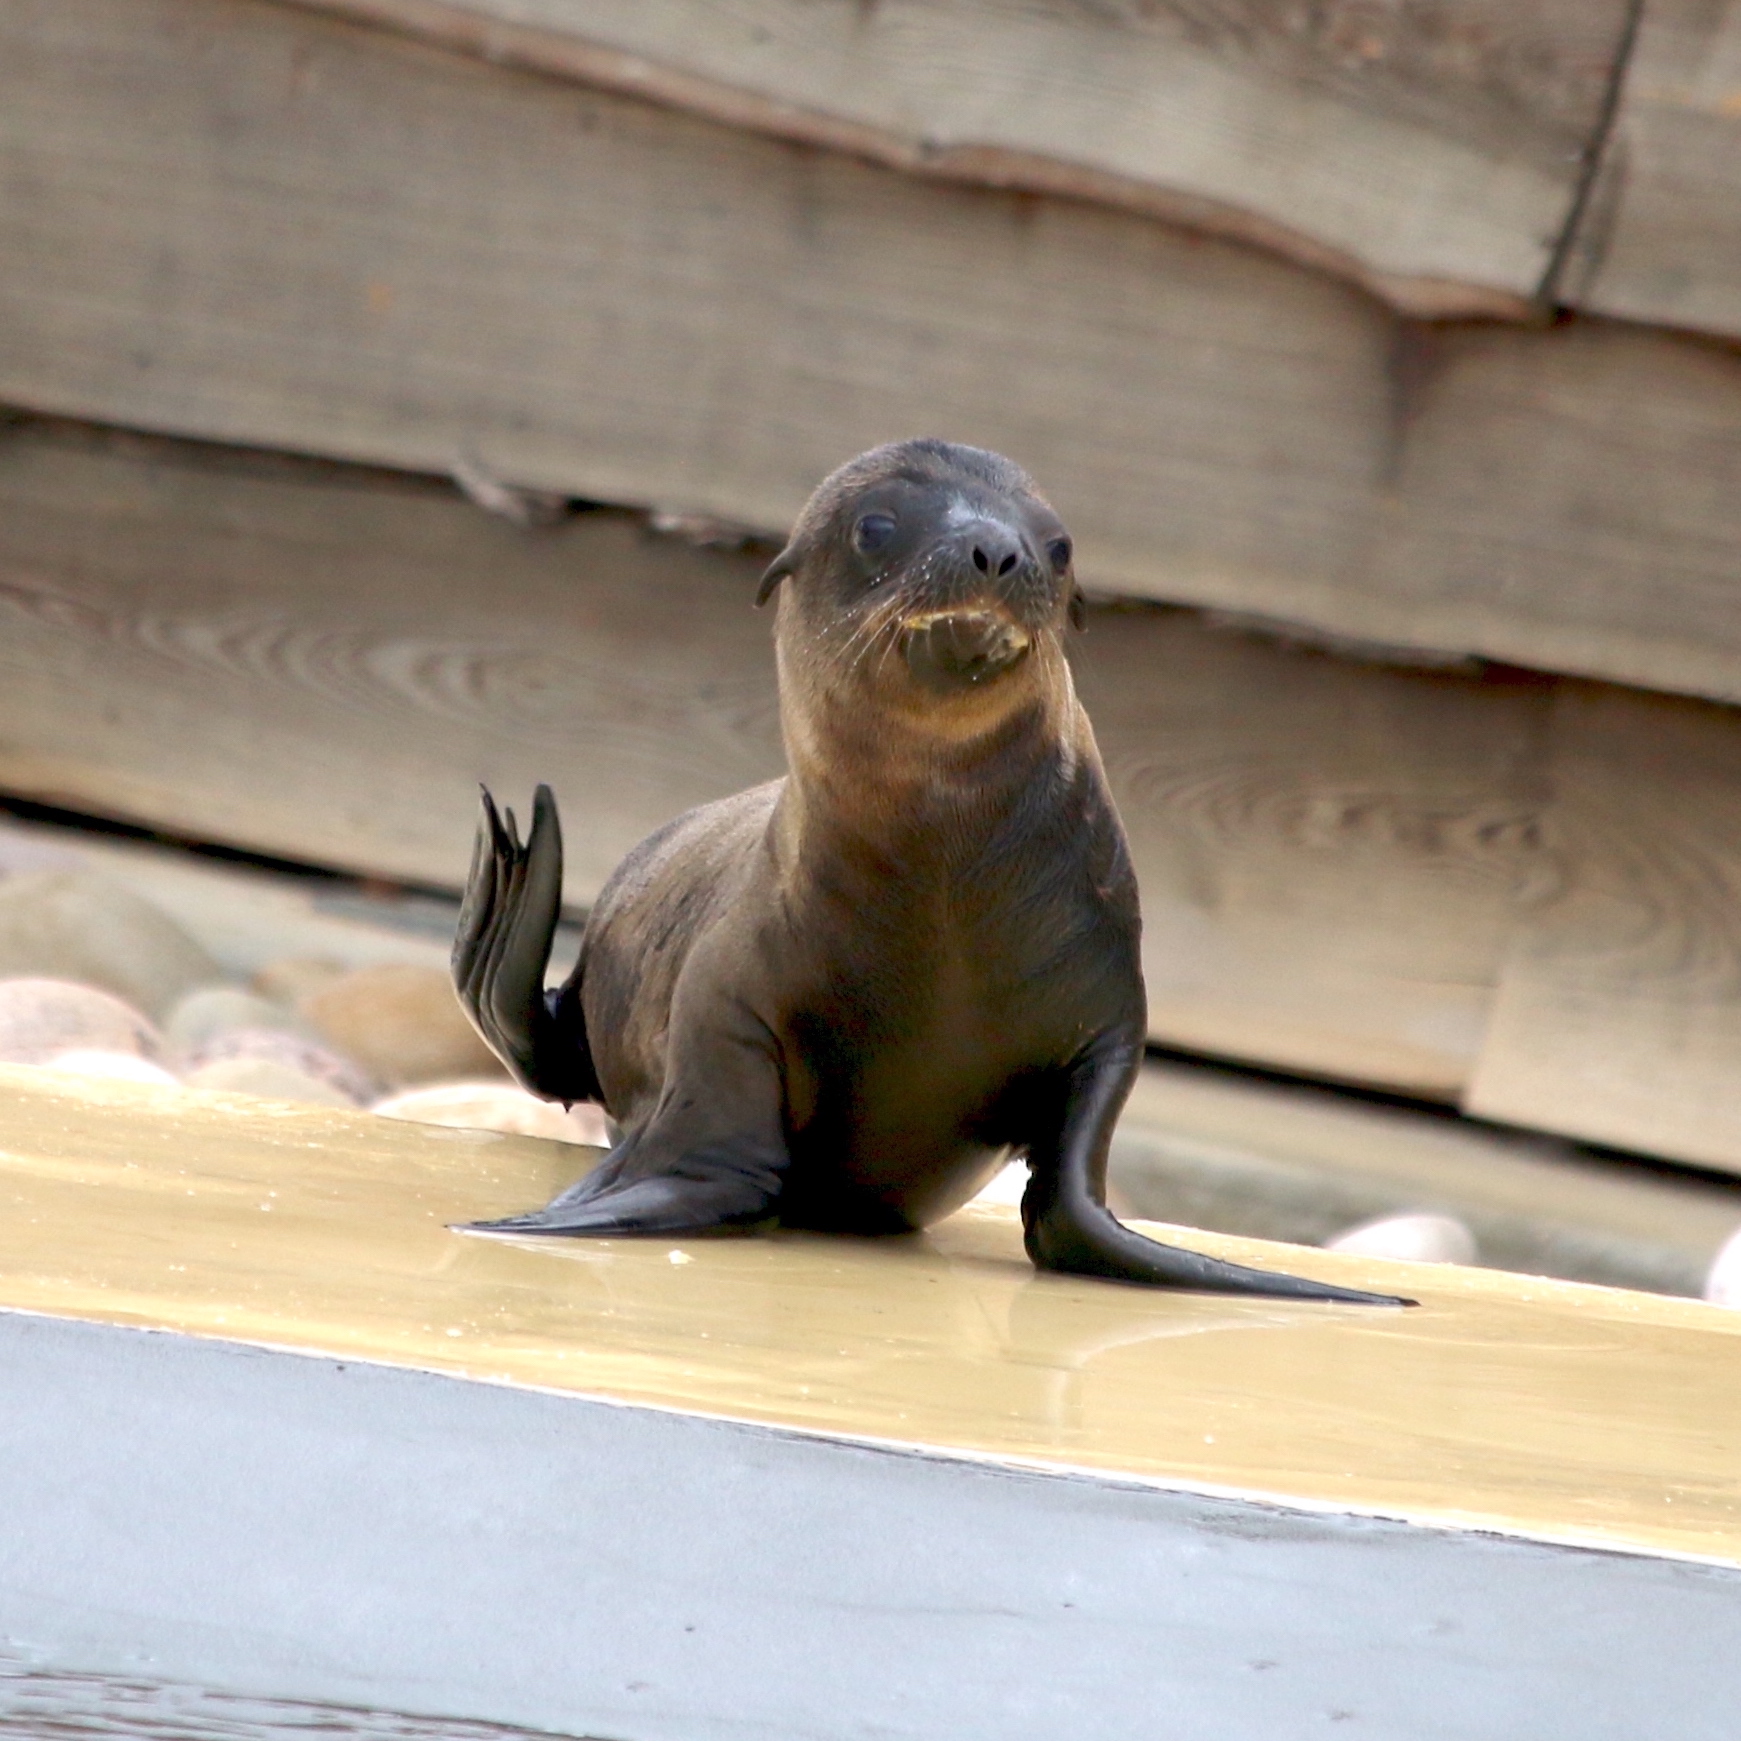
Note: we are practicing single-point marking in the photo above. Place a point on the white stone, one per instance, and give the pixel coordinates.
(401, 1023)
(288, 1051)
(80, 926)
(497, 1106)
(212, 1010)
(1416, 1238)
(267, 1079)
(110, 1066)
(42, 1017)
(1723, 1278)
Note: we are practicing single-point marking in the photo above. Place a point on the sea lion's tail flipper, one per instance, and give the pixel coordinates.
(513, 900)
(1067, 1226)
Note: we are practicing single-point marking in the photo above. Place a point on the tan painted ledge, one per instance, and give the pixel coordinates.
(1539, 1409)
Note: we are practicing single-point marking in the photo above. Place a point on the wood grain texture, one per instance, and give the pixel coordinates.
(1339, 862)
(249, 222)
(1430, 152)
(1618, 1015)
(1661, 237)
(1332, 856)
(1569, 500)
(288, 658)
(285, 660)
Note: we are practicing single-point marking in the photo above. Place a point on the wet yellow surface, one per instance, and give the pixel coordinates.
(1541, 1408)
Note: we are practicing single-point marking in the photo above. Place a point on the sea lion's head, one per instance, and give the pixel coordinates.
(926, 567)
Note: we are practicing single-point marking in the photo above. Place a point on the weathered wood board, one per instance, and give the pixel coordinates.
(1661, 236)
(1339, 862)
(1431, 153)
(1332, 856)
(288, 657)
(1618, 1015)
(250, 222)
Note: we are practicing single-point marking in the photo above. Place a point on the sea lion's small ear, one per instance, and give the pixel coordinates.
(778, 569)
(1078, 609)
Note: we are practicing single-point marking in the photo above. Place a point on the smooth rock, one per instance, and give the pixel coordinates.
(1723, 1278)
(288, 1051)
(1413, 1238)
(288, 979)
(199, 1018)
(267, 1079)
(402, 1024)
(110, 1067)
(498, 1106)
(81, 926)
(42, 1017)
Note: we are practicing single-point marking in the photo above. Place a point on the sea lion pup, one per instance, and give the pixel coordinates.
(842, 1000)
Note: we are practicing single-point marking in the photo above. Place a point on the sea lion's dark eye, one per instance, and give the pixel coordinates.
(1059, 551)
(873, 532)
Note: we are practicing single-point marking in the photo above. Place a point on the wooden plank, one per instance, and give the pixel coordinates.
(404, 256)
(1661, 237)
(284, 660)
(1215, 1149)
(1433, 157)
(1569, 500)
(1338, 861)
(301, 661)
(242, 917)
(328, 239)
(1331, 856)
(1618, 1015)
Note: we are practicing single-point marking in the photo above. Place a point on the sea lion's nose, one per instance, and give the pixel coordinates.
(996, 551)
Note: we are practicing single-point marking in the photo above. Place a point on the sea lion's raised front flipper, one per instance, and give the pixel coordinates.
(1066, 1223)
(513, 900)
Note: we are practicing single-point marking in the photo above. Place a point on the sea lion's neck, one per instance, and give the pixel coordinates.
(925, 776)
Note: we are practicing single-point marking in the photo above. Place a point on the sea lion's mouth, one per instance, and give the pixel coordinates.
(949, 648)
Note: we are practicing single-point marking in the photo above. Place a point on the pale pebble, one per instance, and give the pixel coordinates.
(289, 1051)
(401, 1023)
(40, 1017)
(1723, 1278)
(84, 927)
(212, 1010)
(266, 1079)
(288, 979)
(1416, 1238)
(110, 1066)
(497, 1106)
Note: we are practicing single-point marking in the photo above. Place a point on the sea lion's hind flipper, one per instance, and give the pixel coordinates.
(1067, 1226)
(601, 1207)
(507, 921)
